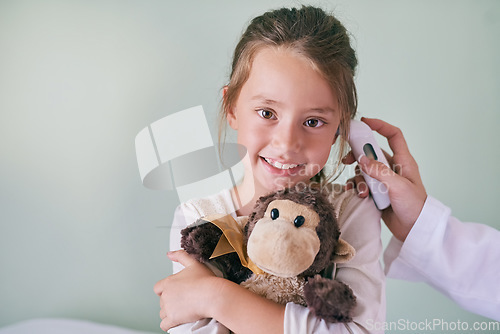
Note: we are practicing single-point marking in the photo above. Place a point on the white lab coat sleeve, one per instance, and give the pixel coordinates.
(461, 260)
(360, 227)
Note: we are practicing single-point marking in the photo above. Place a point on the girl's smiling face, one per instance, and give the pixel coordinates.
(286, 116)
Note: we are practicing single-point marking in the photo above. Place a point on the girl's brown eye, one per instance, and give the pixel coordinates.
(313, 123)
(266, 114)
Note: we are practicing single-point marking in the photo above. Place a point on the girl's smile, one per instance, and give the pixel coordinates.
(281, 168)
(279, 165)
(286, 116)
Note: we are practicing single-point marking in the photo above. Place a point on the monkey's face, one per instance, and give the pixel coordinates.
(284, 242)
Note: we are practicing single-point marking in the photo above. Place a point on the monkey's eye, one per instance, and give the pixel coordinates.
(299, 221)
(275, 213)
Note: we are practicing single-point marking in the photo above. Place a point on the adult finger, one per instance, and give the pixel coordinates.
(358, 182)
(361, 187)
(348, 159)
(393, 134)
(388, 157)
(377, 170)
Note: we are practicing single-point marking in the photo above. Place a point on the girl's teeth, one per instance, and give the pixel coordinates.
(279, 165)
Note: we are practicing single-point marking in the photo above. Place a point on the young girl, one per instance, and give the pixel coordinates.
(290, 97)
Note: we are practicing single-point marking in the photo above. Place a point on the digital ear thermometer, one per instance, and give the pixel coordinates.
(362, 142)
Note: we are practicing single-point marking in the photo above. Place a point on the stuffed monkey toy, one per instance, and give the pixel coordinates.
(291, 242)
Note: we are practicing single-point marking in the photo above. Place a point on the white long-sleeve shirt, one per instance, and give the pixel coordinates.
(359, 222)
(461, 260)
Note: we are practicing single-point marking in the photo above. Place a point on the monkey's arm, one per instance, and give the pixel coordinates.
(329, 299)
(200, 241)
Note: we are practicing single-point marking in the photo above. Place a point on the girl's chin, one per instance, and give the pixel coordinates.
(272, 184)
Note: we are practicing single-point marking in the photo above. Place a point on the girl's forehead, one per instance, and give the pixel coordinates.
(277, 54)
(281, 75)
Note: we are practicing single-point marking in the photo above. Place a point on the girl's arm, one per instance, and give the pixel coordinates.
(196, 288)
(195, 293)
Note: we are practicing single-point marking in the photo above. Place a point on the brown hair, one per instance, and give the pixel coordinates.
(312, 33)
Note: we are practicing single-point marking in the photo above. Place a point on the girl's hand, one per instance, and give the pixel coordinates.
(185, 296)
(196, 293)
(406, 190)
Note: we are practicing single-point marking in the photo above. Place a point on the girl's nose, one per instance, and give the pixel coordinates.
(287, 137)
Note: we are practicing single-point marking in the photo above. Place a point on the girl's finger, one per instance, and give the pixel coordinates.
(166, 324)
(158, 288)
(163, 314)
(182, 257)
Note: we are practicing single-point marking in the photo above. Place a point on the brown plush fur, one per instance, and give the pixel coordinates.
(329, 299)
(278, 289)
(200, 241)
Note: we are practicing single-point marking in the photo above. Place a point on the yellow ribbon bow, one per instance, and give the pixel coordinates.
(231, 240)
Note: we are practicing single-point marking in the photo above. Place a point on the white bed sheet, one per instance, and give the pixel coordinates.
(65, 326)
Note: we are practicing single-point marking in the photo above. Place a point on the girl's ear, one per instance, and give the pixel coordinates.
(231, 119)
(230, 114)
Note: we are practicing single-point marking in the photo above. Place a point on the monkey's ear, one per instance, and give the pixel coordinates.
(343, 252)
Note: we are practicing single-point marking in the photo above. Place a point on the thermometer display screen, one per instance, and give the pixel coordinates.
(369, 151)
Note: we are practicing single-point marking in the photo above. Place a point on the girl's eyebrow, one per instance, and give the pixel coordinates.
(323, 110)
(265, 100)
(261, 98)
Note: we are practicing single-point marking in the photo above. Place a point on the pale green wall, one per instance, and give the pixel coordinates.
(80, 237)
